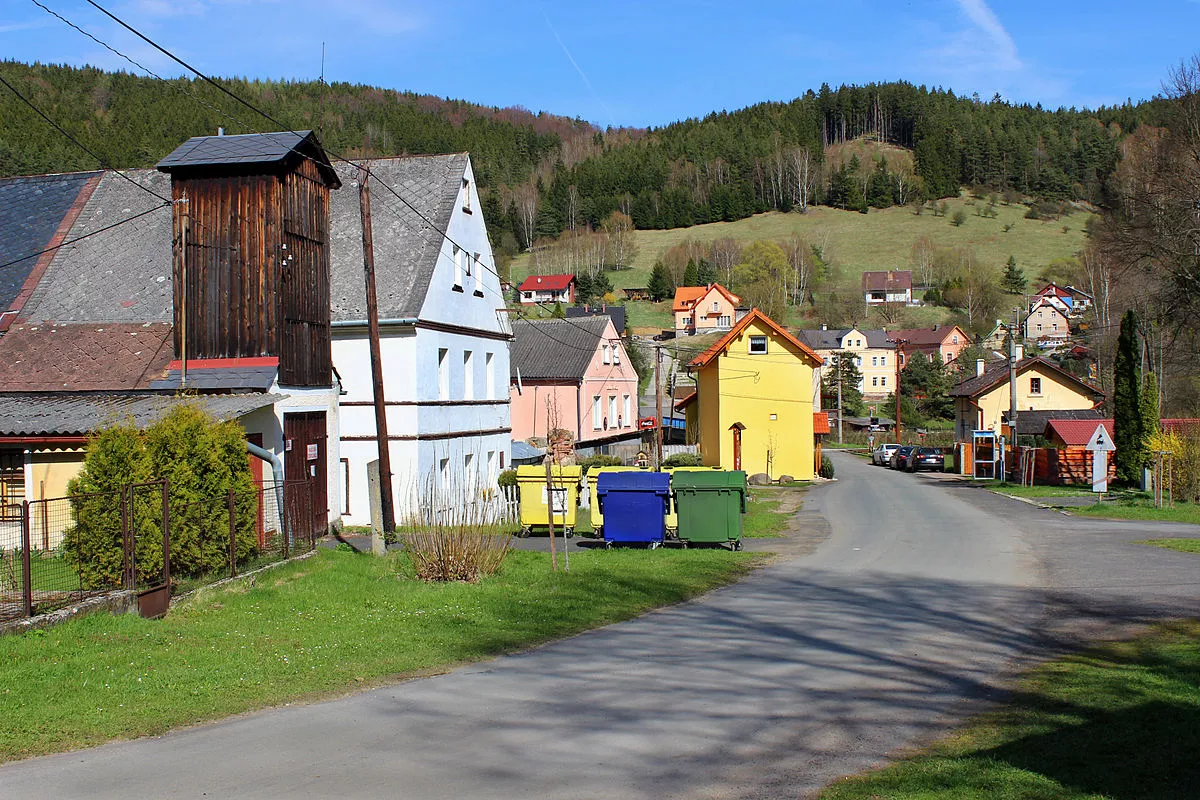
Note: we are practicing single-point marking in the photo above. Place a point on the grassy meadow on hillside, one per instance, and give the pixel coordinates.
(854, 242)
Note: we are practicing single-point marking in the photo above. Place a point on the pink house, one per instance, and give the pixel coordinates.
(572, 374)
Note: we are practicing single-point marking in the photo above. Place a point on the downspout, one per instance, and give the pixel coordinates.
(277, 471)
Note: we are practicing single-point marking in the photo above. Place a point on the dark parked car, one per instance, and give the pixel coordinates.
(926, 458)
(899, 458)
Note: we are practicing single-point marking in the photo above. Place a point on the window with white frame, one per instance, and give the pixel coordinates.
(478, 273)
(605, 354)
(612, 411)
(954, 339)
(443, 374)
(489, 375)
(724, 321)
(626, 418)
(468, 375)
(883, 380)
(597, 413)
(616, 354)
(469, 475)
(444, 473)
(466, 206)
(491, 468)
(1035, 385)
(758, 345)
(874, 361)
(716, 306)
(875, 381)
(883, 361)
(458, 267)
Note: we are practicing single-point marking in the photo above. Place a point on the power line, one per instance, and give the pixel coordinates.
(81, 238)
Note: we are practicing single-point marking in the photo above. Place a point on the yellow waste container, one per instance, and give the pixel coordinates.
(672, 519)
(589, 483)
(535, 499)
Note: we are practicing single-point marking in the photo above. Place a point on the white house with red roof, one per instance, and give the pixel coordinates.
(887, 286)
(547, 289)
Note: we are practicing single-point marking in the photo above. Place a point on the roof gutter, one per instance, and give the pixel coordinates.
(362, 323)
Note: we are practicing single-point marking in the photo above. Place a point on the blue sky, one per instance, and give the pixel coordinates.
(642, 63)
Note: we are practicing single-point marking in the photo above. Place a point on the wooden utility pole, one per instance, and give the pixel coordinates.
(184, 224)
(899, 357)
(658, 406)
(1012, 381)
(381, 429)
(838, 367)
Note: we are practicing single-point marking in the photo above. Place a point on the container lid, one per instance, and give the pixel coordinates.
(526, 471)
(710, 479)
(636, 480)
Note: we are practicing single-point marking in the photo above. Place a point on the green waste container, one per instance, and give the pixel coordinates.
(672, 518)
(710, 506)
(536, 500)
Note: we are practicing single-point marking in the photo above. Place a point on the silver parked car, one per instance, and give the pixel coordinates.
(882, 455)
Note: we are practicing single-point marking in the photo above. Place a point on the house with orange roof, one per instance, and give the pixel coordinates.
(757, 393)
(704, 309)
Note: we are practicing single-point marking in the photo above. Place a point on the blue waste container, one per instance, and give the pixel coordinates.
(634, 506)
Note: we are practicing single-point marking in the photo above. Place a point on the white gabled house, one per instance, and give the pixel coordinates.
(444, 334)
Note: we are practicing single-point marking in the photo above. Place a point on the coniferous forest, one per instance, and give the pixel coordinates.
(542, 174)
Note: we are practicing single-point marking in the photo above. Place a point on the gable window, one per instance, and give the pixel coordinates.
(468, 375)
(954, 339)
(605, 356)
(597, 418)
(1035, 385)
(716, 306)
(467, 196)
(616, 354)
(758, 345)
(458, 267)
(443, 374)
(478, 273)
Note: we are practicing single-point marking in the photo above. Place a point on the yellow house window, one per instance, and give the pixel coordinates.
(758, 345)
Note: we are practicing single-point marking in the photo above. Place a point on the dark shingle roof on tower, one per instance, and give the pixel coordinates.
(280, 147)
(554, 348)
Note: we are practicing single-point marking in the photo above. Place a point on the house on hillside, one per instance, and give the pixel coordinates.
(887, 286)
(1068, 299)
(982, 402)
(122, 320)
(574, 375)
(757, 395)
(704, 309)
(547, 289)
(944, 340)
(1047, 324)
(995, 340)
(873, 351)
(439, 301)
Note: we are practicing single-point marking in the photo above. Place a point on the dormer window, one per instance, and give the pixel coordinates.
(758, 345)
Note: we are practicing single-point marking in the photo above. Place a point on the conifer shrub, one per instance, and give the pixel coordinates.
(202, 459)
(684, 460)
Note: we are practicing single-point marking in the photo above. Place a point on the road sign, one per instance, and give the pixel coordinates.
(1100, 445)
(1100, 442)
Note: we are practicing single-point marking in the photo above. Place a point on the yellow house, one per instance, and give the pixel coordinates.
(981, 402)
(756, 391)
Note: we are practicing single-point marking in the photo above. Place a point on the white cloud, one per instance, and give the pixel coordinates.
(1003, 49)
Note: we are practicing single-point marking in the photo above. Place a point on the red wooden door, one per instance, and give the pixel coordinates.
(305, 459)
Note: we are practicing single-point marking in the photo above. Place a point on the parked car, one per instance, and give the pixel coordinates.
(899, 458)
(926, 458)
(882, 455)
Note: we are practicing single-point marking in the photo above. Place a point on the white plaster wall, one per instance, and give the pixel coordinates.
(320, 399)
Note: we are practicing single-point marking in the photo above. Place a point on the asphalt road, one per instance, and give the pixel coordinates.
(924, 597)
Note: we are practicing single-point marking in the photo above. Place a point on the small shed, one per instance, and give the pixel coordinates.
(1067, 460)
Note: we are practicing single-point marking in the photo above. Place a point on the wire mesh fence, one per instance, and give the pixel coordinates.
(58, 551)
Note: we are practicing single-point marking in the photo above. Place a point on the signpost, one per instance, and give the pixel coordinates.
(1100, 445)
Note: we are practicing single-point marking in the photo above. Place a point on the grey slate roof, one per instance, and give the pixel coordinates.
(76, 414)
(31, 209)
(832, 339)
(120, 275)
(254, 379)
(246, 148)
(615, 313)
(554, 348)
(124, 275)
(406, 247)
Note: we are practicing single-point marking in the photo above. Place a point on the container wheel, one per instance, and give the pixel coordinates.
(569, 532)
(524, 532)
(737, 545)
(654, 545)
(608, 545)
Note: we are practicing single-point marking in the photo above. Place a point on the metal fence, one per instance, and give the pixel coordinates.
(59, 551)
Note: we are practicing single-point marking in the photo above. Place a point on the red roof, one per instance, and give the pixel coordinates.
(929, 337)
(1076, 432)
(546, 283)
(820, 422)
(1053, 289)
(891, 279)
(717, 348)
(686, 297)
(84, 357)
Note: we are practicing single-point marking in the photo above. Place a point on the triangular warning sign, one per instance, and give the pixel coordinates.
(1101, 440)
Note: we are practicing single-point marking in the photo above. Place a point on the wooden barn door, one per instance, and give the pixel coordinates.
(305, 459)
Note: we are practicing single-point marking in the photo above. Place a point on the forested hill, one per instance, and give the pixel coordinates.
(542, 174)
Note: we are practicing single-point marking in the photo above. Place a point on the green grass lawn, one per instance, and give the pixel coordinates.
(1141, 509)
(1118, 721)
(1182, 545)
(763, 519)
(334, 622)
(1017, 490)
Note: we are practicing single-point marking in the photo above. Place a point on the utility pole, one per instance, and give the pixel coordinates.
(838, 366)
(1012, 380)
(899, 357)
(184, 223)
(381, 429)
(658, 406)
